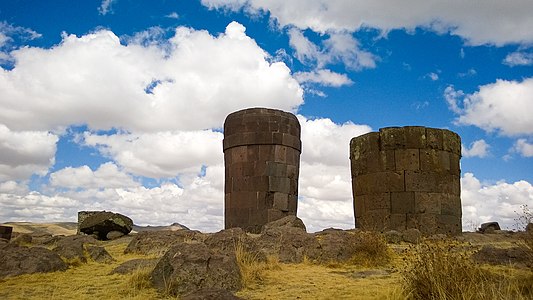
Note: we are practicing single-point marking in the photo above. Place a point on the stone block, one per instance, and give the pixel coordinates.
(407, 159)
(279, 184)
(449, 224)
(392, 138)
(434, 138)
(274, 214)
(266, 153)
(402, 203)
(377, 220)
(455, 167)
(451, 205)
(359, 205)
(239, 154)
(398, 222)
(382, 182)
(293, 204)
(426, 181)
(376, 201)
(281, 201)
(276, 169)
(451, 142)
(292, 171)
(428, 202)
(415, 137)
(280, 153)
(388, 160)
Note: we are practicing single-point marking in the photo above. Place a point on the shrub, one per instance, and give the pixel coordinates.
(371, 249)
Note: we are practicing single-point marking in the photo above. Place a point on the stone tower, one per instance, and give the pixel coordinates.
(407, 177)
(262, 160)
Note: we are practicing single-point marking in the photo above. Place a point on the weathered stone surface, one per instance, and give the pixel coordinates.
(158, 242)
(187, 267)
(262, 157)
(489, 227)
(16, 260)
(407, 177)
(5, 232)
(113, 235)
(76, 247)
(101, 223)
(504, 256)
(134, 264)
(288, 221)
(289, 244)
(335, 246)
(98, 254)
(411, 235)
(210, 294)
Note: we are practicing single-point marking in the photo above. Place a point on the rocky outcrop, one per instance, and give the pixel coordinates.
(158, 242)
(101, 223)
(77, 248)
(188, 267)
(288, 221)
(134, 264)
(289, 244)
(519, 255)
(489, 227)
(17, 260)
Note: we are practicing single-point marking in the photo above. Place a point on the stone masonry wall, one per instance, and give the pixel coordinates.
(262, 159)
(407, 177)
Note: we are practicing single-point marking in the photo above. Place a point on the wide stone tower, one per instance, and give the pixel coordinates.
(407, 177)
(262, 159)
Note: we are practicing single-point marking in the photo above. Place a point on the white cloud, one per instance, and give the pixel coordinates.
(498, 202)
(193, 87)
(503, 106)
(519, 59)
(323, 77)
(107, 175)
(433, 76)
(478, 148)
(105, 7)
(523, 147)
(24, 153)
(160, 154)
(509, 21)
(337, 48)
(173, 15)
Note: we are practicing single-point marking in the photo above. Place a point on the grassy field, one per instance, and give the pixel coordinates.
(427, 271)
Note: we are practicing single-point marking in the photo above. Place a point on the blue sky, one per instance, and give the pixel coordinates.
(118, 104)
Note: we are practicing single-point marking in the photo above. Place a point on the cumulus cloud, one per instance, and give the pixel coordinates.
(10, 35)
(323, 77)
(478, 148)
(433, 76)
(519, 59)
(337, 48)
(92, 79)
(501, 202)
(523, 147)
(160, 154)
(503, 106)
(107, 175)
(24, 153)
(510, 22)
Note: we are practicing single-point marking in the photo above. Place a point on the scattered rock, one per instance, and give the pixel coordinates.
(288, 221)
(22, 239)
(158, 242)
(335, 246)
(134, 264)
(411, 235)
(113, 235)
(16, 260)
(504, 256)
(229, 240)
(101, 223)
(210, 294)
(98, 254)
(393, 237)
(489, 227)
(187, 267)
(289, 244)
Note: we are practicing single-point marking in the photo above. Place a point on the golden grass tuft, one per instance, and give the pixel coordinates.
(251, 267)
(444, 270)
(371, 250)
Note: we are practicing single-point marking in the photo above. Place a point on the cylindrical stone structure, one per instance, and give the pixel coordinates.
(407, 177)
(262, 160)
(5, 232)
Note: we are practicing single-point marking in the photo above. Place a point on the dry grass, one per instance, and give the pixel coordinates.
(371, 250)
(444, 270)
(86, 281)
(251, 268)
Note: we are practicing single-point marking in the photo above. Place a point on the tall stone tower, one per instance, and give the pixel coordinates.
(262, 160)
(407, 177)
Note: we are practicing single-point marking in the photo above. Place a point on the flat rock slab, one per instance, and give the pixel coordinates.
(17, 260)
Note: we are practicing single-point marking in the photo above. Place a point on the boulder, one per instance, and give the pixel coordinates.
(412, 235)
(113, 235)
(289, 244)
(134, 264)
(100, 224)
(210, 294)
(16, 260)
(79, 248)
(229, 240)
(489, 227)
(98, 254)
(393, 237)
(335, 246)
(5, 232)
(519, 255)
(158, 242)
(188, 267)
(288, 221)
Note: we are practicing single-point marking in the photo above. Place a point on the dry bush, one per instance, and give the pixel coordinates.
(371, 249)
(252, 269)
(443, 270)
